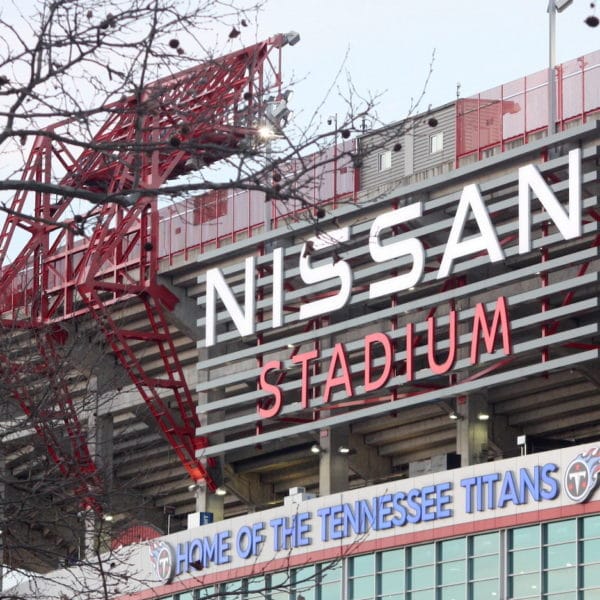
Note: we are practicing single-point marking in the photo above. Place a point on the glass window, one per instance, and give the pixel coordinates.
(390, 574)
(524, 561)
(421, 577)
(361, 565)
(590, 577)
(384, 160)
(452, 549)
(453, 592)
(484, 590)
(361, 571)
(280, 585)
(560, 580)
(590, 526)
(525, 586)
(452, 572)
(304, 582)
(525, 537)
(561, 555)
(424, 595)
(436, 142)
(422, 555)
(391, 560)
(361, 588)
(484, 567)
(257, 587)
(561, 531)
(233, 590)
(485, 543)
(590, 551)
(330, 580)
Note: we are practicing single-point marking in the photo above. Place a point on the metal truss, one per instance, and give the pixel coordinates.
(63, 272)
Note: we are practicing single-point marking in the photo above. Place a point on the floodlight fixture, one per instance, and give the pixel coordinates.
(561, 5)
(266, 132)
(291, 37)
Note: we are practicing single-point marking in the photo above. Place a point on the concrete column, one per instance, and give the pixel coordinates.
(471, 431)
(333, 466)
(100, 445)
(207, 501)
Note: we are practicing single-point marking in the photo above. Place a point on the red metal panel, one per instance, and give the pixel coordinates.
(524, 106)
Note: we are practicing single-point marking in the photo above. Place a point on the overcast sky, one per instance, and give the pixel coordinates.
(389, 43)
(385, 46)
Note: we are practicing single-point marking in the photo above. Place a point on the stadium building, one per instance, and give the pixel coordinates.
(395, 378)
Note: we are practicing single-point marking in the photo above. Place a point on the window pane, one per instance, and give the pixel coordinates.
(424, 595)
(256, 588)
(392, 560)
(560, 580)
(452, 572)
(436, 142)
(453, 592)
(484, 567)
(524, 561)
(421, 577)
(361, 565)
(525, 537)
(591, 526)
(590, 551)
(486, 543)
(385, 160)
(331, 571)
(280, 586)
(562, 531)
(207, 592)
(452, 549)
(590, 576)
(482, 590)
(391, 583)
(305, 582)
(525, 585)
(362, 587)
(562, 555)
(185, 596)
(331, 591)
(422, 555)
(233, 590)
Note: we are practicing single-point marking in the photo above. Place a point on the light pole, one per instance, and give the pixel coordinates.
(557, 6)
(554, 6)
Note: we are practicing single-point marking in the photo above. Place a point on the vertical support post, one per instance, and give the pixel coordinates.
(207, 501)
(551, 66)
(472, 433)
(101, 448)
(333, 466)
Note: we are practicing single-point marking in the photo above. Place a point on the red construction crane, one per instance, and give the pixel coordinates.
(193, 118)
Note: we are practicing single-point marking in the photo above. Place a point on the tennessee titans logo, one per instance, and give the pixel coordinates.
(581, 476)
(161, 556)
